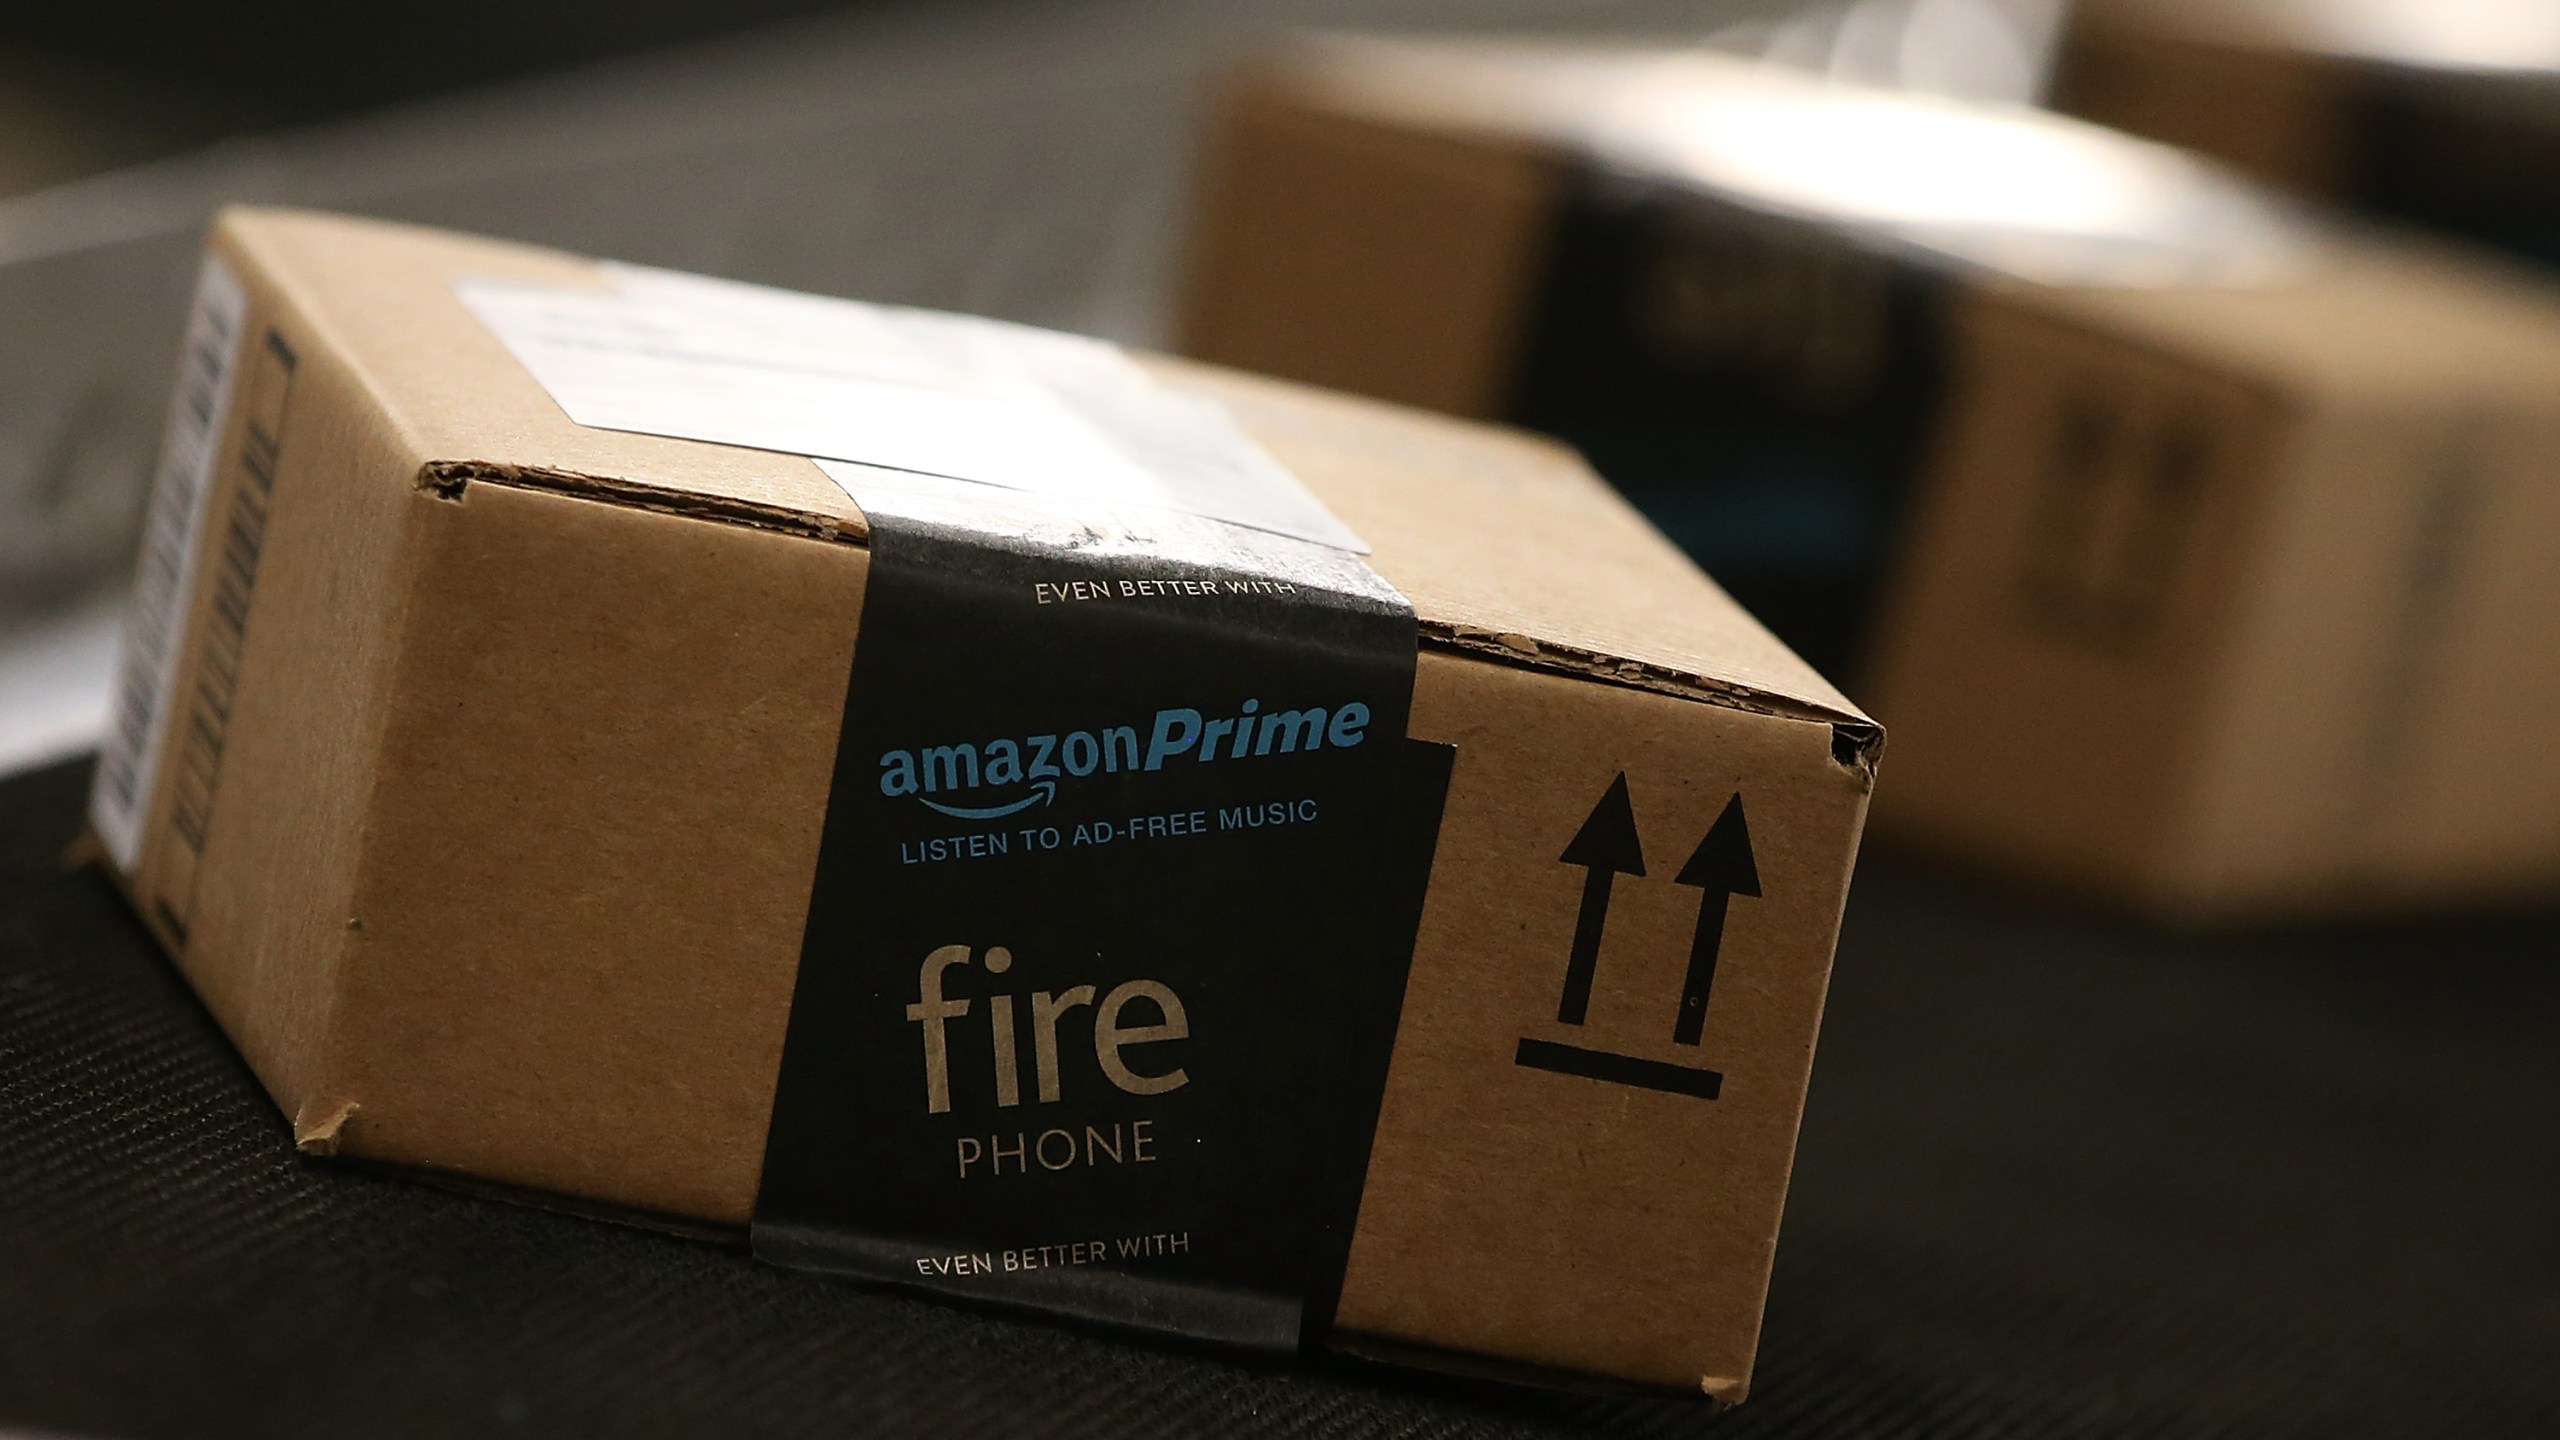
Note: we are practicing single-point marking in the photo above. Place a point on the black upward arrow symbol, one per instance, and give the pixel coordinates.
(1607, 847)
(1722, 867)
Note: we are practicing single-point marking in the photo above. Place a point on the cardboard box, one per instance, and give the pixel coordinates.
(2206, 540)
(481, 794)
(2229, 604)
(2444, 113)
(1725, 282)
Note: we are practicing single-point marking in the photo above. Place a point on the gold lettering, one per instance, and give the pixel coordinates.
(1008, 1070)
(1040, 1148)
(1045, 1010)
(1109, 1035)
(930, 1011)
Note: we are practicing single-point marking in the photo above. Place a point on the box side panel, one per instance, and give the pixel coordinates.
(1362, 256)
(2283, 763)
(593, 834)
(2473, 785)
(1616, 1224)
(2061, 622)
(2375, 746)
(253, 830)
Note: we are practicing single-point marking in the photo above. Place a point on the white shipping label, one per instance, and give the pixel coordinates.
(1060, 416)
(164, 584)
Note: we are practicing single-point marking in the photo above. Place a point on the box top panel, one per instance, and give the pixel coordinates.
(2408, 324)
(1949, 183)
(1506, 545)
(2123, 234)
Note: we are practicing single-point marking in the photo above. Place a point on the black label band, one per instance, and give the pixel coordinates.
(1122, 867)
(1760, 386)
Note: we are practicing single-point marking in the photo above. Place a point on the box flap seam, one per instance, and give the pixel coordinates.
(448, 479)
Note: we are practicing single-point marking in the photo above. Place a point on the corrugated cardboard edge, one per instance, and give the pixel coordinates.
(447, 478)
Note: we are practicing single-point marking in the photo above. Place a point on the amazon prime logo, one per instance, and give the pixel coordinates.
(990, 780)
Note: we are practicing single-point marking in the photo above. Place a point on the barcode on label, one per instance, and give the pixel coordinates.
(235, 553)
(164, 583)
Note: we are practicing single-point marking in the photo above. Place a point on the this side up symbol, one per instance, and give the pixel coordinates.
(1605, 848)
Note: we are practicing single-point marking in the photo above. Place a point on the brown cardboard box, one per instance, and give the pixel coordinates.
(2228, 535)
(1725, 282)
(2442, 112)
(2231, 604)
(493, 764)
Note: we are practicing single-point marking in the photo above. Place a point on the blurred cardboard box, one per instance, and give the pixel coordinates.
(1727, 283)
(475, 763)
(2224, 546)
(2440, 112)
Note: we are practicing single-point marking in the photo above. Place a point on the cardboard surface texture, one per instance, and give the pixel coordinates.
(2210, 540)
(518, 738)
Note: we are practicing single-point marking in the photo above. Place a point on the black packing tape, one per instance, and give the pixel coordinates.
(1107, 945)
(1762, 387)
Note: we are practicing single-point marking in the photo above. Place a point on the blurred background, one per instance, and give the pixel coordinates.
(2148, 409)
(1022, 158)
(1758, 284)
